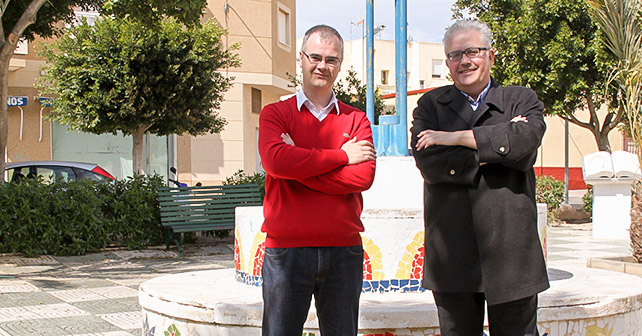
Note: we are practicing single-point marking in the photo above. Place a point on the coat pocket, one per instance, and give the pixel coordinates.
(500, 144)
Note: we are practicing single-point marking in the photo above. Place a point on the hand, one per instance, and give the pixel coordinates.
(519, 118)
(287, 139)
(359, 151)
(431, 137)
(457, 138)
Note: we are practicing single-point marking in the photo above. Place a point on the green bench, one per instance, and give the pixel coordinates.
(206, 208)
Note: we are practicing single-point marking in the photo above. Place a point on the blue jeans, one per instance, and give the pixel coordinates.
(291, 276)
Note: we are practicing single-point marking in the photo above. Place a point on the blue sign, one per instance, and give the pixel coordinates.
(17, 101)
(45, 101)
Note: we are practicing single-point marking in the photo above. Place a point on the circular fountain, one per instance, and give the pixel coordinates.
(581, 301)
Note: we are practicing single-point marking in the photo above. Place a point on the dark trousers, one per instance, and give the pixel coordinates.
(291, 276)
(462, 314)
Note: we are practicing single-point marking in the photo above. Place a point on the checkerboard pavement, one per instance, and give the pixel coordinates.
(91, 295)
(97, 294)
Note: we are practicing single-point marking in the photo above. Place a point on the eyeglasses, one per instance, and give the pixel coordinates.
(471, 52)
(316, 59)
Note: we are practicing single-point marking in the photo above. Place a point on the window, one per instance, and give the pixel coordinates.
(56, 174)
(283, 21)
(256, 100)
(384, 76)
(422, 84)
(437, 66)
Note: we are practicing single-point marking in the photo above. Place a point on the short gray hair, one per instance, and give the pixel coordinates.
(467, 25)
(325, 31)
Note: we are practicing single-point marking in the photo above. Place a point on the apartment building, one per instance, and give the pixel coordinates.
(265, 30)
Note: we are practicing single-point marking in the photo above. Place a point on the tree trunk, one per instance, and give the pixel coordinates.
(6, 52)
(603, 143)
(137, 152)
(4, 115)
(636, 221)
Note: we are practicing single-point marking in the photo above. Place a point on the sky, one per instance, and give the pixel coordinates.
(427, 19)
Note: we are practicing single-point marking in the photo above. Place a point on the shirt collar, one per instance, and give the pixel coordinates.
(480, 99)
(302, 98)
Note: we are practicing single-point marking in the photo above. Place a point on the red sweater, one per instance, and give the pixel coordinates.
(313, 197)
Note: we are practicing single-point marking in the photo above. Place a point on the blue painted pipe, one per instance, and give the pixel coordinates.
(370, 61)
(401, 43)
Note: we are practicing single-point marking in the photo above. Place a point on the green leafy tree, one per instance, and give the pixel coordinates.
(30, 18)
(553, 47)
(620, 22)
(123, 75)
(352, 92)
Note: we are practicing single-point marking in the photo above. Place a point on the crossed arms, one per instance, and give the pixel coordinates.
(447, 155)
(336, 171)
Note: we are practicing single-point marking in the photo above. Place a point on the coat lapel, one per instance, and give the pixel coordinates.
(493, 98)
(458, 104)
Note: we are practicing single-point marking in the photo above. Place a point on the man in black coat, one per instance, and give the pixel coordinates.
(475, 144)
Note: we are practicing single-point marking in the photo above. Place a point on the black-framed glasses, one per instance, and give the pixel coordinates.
(471, 52)
(316, 59)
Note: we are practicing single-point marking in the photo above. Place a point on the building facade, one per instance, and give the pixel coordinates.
(427, 69)
(266, 51)
(265, 30)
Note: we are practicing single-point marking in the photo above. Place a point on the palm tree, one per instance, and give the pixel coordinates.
(621, 24)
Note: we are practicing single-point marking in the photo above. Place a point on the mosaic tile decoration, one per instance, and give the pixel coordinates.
(255, 263)
(238, 257)
(393, 285)
(372, 260)
(248, 279)
(411, 265)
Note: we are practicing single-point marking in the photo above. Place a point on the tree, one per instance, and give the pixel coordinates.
(620, 22)
(552, 46)
(30, 18)
(123, 75)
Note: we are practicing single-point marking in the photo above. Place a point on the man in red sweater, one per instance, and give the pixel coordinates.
(319, 157)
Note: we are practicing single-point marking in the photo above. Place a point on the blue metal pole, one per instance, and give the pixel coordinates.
(370, 61)
(401, 40)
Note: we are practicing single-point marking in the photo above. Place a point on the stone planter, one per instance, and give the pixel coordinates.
(618, 264)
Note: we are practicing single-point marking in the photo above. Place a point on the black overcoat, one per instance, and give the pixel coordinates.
(481, 220)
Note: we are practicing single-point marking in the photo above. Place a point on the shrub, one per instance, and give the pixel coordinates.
(587, 201)
(61, 218)
(131, 209)
(241, 177)
(73, 218)
(551, 192)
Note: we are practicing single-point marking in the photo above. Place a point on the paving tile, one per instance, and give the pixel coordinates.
(27, 299)
(30, 328)
(16, 313)
(62, 284)
(17, 286)
(109, 306)
(58, 326)
(76, 295)
(145, 254)
(115, 292)
(56, 310)
(109, 333)
(85, 325)
(126, 320)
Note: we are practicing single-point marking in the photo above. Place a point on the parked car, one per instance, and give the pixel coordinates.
(55, 171)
